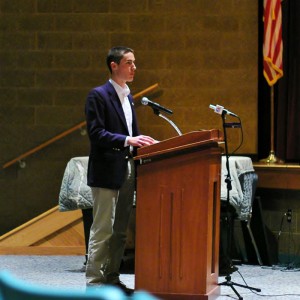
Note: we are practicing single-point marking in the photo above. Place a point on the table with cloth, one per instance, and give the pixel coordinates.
(242, 175)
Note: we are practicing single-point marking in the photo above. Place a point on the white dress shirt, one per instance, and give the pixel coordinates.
(123, 96)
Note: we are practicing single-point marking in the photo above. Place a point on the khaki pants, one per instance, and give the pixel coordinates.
(111, 213)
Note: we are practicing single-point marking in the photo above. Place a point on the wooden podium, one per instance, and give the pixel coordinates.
(177, 217)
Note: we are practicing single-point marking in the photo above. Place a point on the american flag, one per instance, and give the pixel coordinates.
(272, 48)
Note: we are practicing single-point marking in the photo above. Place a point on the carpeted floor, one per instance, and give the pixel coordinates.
(64, 272)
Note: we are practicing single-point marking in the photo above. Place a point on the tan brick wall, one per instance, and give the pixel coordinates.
(52, 52)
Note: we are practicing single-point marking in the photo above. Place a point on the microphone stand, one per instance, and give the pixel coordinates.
(157, 112)
(228, 281)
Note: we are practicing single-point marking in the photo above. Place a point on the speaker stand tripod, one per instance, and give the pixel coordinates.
(228, 281)
(231, 284)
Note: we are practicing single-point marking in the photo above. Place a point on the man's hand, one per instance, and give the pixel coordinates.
(141, 140)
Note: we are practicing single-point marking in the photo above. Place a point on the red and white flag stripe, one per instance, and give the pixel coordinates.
(273, 47)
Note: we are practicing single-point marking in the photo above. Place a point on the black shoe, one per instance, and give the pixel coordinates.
(124, 288)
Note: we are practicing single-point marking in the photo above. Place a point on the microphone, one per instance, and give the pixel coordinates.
(156, 106)
(221, 110)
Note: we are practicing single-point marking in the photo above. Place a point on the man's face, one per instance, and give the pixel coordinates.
(124, 71)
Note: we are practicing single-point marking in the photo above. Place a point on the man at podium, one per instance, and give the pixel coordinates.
(114, 135)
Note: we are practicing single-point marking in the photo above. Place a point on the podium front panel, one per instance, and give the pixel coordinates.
(177, 225)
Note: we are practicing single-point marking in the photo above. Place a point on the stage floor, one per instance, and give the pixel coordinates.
(65, 272)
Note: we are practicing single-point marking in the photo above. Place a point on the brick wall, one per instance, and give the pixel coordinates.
(53, 52)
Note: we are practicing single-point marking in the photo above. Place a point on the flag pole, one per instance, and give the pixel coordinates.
(272, 55)
(272, 159)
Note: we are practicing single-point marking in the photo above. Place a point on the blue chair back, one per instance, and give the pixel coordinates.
(12, 288)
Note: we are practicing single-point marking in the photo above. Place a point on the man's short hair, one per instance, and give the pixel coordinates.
(115, 54)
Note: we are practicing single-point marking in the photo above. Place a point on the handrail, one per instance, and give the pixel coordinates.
(67, 132)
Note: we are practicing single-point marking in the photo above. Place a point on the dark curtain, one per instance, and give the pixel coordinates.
(286, 90)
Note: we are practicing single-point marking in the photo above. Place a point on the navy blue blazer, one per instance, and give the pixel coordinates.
(107, 130)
